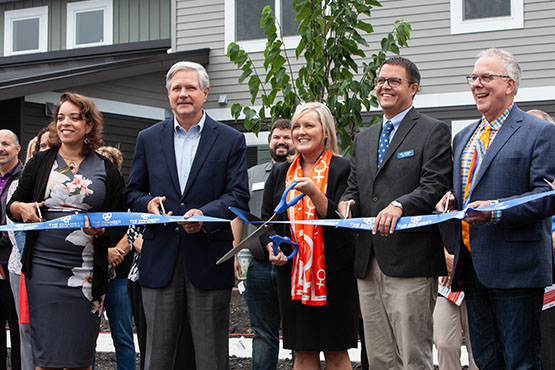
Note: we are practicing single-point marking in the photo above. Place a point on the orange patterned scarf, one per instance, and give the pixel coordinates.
(308, 278)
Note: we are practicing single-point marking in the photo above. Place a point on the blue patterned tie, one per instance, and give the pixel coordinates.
(384, 141)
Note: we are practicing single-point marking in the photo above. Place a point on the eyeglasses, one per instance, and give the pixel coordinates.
(392, 81)
(484, 78)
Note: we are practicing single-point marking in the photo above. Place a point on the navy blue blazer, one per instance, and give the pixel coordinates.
(518, 251)
(218, 180)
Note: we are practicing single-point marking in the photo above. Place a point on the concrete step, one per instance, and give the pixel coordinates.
(242, 347)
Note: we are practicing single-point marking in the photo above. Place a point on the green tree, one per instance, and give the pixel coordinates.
(331, 38)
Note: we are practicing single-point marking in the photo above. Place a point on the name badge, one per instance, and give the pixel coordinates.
(405, 154)
(257, 186)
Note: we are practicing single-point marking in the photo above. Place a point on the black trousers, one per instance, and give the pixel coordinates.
(8, 314)
(134, 291)
(548, 338)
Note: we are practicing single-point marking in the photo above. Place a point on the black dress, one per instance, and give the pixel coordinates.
(332, 327)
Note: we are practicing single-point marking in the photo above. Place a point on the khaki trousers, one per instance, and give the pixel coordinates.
(450, 321)
(397, 317)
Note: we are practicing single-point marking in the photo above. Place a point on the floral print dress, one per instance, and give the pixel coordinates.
(64, 320)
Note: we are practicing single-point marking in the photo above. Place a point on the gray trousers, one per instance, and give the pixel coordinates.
(207, 312)
(24, 329)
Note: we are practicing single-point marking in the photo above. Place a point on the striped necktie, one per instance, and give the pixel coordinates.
(384, 141)
(480, 150)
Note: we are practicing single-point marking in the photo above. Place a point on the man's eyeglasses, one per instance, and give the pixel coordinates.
(392, 81)
(484, 78)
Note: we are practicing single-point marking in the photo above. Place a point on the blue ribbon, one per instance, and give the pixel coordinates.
(110, 219)
(106, 219)
(411, 222)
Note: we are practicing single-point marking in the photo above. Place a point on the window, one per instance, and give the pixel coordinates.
(242, 25)
(89, 23)
(26, 31)
(469, 16)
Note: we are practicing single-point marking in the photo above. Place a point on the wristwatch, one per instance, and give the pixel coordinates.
(397, 204)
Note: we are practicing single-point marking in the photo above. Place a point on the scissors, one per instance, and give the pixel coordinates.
(280, 208)
(549, 183)
(278, 240)
(39, 212)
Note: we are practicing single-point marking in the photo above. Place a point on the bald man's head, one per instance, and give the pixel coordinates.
(9, 149)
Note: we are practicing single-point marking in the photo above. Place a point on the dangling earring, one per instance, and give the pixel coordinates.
(86, 141)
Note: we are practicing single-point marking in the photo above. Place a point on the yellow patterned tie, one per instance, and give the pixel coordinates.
(477, 156)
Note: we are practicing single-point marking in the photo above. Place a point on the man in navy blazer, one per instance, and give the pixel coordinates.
(187, 165)
(504, 259)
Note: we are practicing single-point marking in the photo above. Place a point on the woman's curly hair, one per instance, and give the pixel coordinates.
(89, 113)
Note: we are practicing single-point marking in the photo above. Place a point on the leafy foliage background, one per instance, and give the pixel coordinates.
(331, 36)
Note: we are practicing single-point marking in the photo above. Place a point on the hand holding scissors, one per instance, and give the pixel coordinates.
(446, 203)
(27, 212)
(280, 208)
(344, 208)
(277, 257)
(156, 206)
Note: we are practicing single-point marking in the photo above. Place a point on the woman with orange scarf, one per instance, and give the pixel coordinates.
(317, 288)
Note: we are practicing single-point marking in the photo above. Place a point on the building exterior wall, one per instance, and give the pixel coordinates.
(148, 90)
(444, 59)
(141, 20)
(133, 20)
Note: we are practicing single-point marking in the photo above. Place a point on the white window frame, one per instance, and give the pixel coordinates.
(290, 42)
(10, 16)
(459, 25)
(91, 5)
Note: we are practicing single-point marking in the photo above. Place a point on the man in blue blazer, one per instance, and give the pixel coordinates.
(187, 165)
(503, 260)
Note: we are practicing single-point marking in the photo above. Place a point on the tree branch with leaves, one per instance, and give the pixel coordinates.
(331, 36)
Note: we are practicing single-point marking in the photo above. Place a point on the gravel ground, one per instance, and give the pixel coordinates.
(239, 324)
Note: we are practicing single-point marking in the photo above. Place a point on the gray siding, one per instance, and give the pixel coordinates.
(34, 119)
(134, 20)
(201, 24)
(141, 20)
(443, 59)
(121, 132)
(147, 90)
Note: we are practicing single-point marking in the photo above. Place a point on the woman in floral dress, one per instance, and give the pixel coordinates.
(66, 269)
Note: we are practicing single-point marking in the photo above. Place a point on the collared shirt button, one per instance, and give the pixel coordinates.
(177, 229)
(375, 199)
(182, 204)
